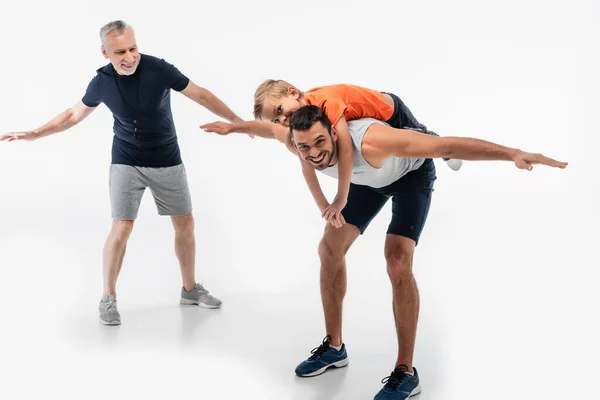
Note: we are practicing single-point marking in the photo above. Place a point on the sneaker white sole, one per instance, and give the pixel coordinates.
(415, 391)
(337, 364)
(187, 302)
(109, 323)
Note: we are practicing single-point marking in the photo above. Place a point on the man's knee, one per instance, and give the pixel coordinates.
(399, 266)
(121, 230)
(184, 225)
(331, 251)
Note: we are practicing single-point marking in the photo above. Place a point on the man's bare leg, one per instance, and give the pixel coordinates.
(332, 252)
(114, 253)
(185, 249)
(399, 256)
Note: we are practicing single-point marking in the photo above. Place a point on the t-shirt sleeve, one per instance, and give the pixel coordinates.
(92, 96)
(175, 79)
(334, 108)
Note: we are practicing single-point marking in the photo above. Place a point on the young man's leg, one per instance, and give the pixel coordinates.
(126, 188)
(172, 196)
(410, 206)
(363, 204)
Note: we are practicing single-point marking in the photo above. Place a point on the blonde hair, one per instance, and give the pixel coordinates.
(271, 88)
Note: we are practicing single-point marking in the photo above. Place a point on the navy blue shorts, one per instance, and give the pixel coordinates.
(411, 197)
(404, 118)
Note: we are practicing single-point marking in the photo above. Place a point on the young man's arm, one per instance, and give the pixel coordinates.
(211, 102)
(381, 142)
(345, 161)
(63, 121)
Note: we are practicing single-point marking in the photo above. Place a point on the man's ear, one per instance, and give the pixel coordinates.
(103, 50)
(292, 140)
(334, 135)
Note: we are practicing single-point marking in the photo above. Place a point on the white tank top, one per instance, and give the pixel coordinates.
(362, 172)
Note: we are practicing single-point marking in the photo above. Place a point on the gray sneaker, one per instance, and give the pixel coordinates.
(109, 315)
(200, 297)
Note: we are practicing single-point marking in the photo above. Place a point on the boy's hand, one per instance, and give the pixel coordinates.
(221, 128)
(323, 208)
(333, 214)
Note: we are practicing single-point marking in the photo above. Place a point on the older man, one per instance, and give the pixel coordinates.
(145, 153)
(388, 164)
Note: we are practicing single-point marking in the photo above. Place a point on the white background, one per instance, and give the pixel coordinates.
(507, 266)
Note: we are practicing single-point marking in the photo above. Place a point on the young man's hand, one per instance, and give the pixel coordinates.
(526, 161)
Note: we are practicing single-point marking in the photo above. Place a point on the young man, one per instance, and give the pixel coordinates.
(388, 164)
(145, 153)
(277, 100)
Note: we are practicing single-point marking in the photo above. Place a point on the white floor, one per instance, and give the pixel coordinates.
(485, 320)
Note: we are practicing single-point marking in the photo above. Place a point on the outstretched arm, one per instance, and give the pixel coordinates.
(264, 129)
(381, 142)
(211, 102)
(65, 120)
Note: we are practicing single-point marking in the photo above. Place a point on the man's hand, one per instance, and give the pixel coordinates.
(333, 213)
(526, 161)
(9, 137)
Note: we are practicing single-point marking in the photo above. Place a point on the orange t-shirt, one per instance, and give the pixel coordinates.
(353, 102)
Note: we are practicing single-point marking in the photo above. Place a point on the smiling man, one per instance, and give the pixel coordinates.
(136, 88)
(388, 163)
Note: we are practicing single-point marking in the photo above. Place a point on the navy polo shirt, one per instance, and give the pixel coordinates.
(144, 132)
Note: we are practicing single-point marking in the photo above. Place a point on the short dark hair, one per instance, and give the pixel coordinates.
(305, 117)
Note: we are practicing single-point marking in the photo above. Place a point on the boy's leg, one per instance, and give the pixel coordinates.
(403, 118)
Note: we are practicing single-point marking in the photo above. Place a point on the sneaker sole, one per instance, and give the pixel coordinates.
(414, 392)
(109, 323)
(337, 364)
(187, 302)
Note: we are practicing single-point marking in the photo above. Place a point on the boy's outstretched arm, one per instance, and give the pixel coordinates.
(345, 161)
(266, 130)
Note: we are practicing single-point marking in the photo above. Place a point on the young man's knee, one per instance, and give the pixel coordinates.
(331, 251)
(399, 266)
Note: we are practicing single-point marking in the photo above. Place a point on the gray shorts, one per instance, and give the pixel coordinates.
(168, 185)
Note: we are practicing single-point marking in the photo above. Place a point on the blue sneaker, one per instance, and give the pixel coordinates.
(322, 358)
(399, 385)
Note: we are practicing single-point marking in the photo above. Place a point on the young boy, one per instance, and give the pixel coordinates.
(277, 100)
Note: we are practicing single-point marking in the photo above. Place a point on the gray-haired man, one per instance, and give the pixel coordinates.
(145, 153)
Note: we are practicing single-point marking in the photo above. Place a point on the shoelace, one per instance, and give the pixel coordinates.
(201, 289)
(317, 352)
(396, 377)
(111, 304)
